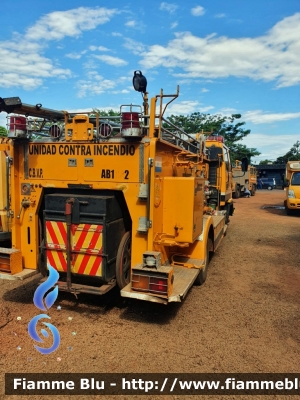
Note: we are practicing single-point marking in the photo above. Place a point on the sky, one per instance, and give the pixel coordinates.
(228, 57)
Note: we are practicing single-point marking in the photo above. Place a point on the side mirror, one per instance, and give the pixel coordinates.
(244, 164)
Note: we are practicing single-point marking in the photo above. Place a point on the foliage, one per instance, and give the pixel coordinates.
(292, 155)
(3, 131)
(109, 113)
(265, 162)
(232, 130)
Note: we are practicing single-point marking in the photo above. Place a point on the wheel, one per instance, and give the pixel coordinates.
(201, 278)
(228, 210)
(253, 190)
(234, 193)
(237, 192)
(288, 211)
(123, 261)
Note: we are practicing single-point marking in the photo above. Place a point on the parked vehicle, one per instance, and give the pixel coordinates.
(125, 201)
(244, 177)
(268, 183)
(292, 184)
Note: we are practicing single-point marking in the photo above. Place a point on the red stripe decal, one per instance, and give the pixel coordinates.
(63, 231)
(49, 228)
(74, 228)
(94, 240)
(62, 260)
(83, 264)
(96, 266)
(51, 259)
(87, 256)
(59, 253)
(82, 237)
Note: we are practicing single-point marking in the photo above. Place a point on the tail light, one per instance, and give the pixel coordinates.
(17, 126)
(159, 285)
(130, 124)
(155, 282)
(130, 121)
(217, 138)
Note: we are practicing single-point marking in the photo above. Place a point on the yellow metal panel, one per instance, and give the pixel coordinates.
(183, 207)
(55, 161)
(114, 162)
(79, 129)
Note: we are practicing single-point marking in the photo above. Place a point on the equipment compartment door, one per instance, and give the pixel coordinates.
(86, 247)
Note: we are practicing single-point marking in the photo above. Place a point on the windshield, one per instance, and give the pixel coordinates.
(296, 178)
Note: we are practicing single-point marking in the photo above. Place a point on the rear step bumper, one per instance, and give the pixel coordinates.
(183, 280)
(26, 273)
(79, 288)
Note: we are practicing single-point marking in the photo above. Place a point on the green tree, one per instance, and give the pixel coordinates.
(265, 162)
(229, 127)
(292, 155)
(3, 131)
(109, 113)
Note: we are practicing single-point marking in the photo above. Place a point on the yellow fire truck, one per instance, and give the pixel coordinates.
(292, 184)
(244, 177)
(130, 200)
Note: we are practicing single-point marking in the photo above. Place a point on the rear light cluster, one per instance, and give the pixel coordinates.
(217, 138)
(144, 282)
(17, 126)
(130, 120)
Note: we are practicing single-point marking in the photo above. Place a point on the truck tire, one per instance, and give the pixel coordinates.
(123, 261)
(253, 190)
(288, 211)
(234, 192)
(237, 191)
(201, 277)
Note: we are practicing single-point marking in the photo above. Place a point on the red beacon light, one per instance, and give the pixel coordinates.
(17, 126)
(130, 121)
(216, 138)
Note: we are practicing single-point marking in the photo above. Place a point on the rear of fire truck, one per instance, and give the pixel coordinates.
(131, 200)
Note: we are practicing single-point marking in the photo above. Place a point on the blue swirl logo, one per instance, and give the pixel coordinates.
(44, 303)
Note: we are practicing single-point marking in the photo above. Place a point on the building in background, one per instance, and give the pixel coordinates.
(276, 171)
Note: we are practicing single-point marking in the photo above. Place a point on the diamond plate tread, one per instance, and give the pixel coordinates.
(183, 280)
(217, 219)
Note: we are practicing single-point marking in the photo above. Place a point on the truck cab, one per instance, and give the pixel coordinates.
(292, 201)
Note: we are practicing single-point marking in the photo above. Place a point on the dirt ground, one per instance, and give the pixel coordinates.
(245, 318)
